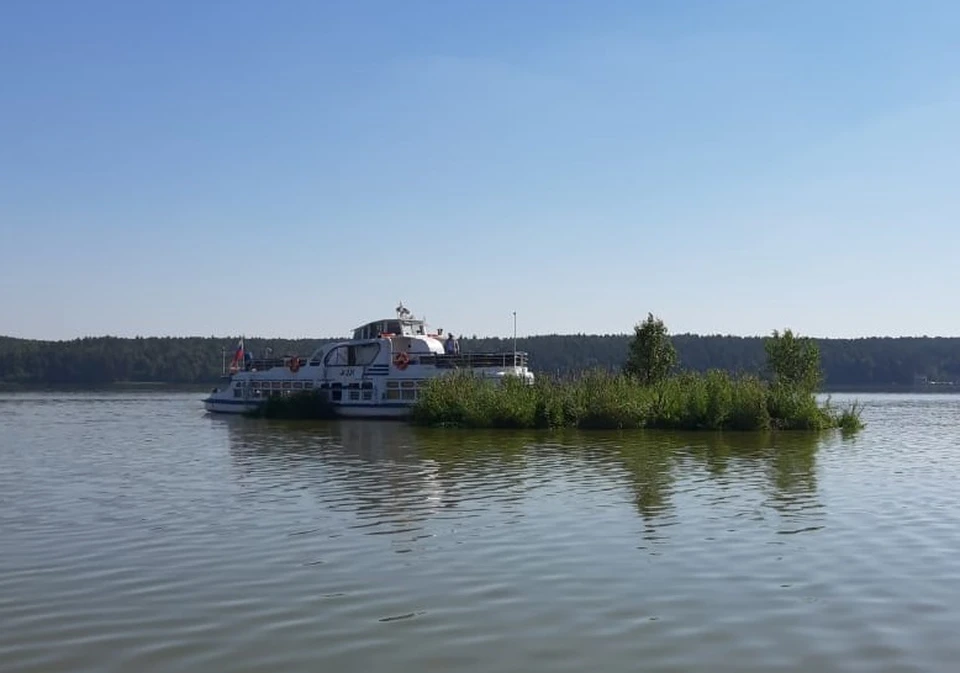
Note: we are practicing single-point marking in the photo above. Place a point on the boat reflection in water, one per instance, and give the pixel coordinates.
(403, 473)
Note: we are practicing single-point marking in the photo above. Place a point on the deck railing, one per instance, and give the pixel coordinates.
(443, 361)
(474, 360)
(262, 364)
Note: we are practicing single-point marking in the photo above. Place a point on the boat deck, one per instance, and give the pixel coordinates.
(441, 361)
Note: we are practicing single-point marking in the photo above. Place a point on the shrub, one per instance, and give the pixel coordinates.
(303, 405)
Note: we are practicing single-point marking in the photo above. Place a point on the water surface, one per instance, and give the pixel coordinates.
(139, 534)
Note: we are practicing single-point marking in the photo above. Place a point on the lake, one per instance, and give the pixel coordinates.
(139, 534)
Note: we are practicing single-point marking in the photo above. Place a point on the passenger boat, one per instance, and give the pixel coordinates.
(376, 374)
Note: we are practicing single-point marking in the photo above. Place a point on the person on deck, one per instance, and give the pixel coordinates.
(450, 345)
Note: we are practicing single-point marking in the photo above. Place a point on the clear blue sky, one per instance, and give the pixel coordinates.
(296, 168)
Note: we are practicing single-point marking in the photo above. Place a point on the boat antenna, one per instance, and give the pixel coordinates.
(514, 338)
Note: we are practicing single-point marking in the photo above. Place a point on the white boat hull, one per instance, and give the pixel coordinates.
(372, 410)
(215, 406)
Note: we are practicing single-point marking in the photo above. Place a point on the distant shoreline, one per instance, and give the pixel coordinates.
(848, 365)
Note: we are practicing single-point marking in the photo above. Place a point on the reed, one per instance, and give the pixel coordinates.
(302, 405)
(715, 400)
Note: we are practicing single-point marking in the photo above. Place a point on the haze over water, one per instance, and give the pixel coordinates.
(139, 534)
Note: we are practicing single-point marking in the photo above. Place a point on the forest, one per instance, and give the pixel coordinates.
(868, 362)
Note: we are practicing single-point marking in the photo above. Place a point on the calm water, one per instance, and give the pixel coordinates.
(138, 534)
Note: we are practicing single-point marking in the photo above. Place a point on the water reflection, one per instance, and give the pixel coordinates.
(392, 469)
(788, 460)
(142, 536)
(760, 473)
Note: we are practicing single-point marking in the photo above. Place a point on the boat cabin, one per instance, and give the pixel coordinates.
(405, 324)
(393, 327)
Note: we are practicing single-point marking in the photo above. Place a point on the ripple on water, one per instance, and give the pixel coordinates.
(140, 534)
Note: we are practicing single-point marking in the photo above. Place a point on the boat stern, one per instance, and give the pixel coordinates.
(223, 402)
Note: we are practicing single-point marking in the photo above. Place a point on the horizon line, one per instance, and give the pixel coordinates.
(477, 337)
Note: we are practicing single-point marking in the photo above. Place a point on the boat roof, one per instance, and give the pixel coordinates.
(404, 323)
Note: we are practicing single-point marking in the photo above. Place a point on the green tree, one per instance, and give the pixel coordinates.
(651, 355)
(794, 360)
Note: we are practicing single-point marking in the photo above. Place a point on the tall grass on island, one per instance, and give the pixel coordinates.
(600, 400)
(647, 394)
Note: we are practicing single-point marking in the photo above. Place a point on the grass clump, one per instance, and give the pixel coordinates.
(301, 405)
(459, 401)
(715, 400)
(848, 419)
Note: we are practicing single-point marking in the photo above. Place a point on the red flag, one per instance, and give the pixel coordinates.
(238, 355)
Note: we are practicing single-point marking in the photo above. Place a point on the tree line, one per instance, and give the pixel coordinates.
(876, 361)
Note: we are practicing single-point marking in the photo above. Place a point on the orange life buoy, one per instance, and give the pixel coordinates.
(294, 364)
(401, 360)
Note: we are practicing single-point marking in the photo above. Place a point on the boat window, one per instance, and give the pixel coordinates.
(367, 395)
(367, 384)
(336, 394)
(365, 354)
(286, 384)
(354, 395)
(308, 384)
(341, 356)
(409, 394)
(371, 330)
(337, 357)
(298, 384)
(352, 356)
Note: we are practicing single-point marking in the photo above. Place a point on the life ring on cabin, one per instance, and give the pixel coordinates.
(401, 360)
(294, 364)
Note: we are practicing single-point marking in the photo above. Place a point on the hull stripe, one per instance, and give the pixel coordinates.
(358, 405)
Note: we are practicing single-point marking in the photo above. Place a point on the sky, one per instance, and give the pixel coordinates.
(295, 169)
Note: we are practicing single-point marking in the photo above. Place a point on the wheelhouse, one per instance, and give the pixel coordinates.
(391, 327)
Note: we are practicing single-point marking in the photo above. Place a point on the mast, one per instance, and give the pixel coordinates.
(514, 338)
